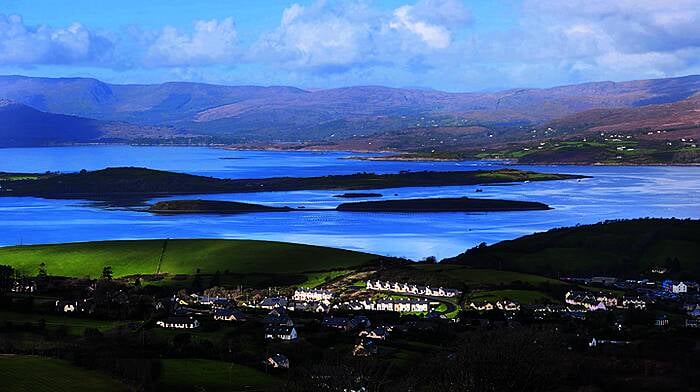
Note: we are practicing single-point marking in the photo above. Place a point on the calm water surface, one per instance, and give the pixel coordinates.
(613, 192)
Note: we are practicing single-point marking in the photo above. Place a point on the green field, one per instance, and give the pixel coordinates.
(616, 248)
(74, 325)
(37, 374)
(474, 277)
(520, 296)
(209, 375)
(180, 257)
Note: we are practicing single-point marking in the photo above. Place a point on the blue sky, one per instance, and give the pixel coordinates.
(445, 44)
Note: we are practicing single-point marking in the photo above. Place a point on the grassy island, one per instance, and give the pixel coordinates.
(210, 206)
(129, 182)
(358, 195)
(456, 204)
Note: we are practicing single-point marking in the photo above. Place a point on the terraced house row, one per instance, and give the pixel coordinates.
(388, 305)
(406, 288)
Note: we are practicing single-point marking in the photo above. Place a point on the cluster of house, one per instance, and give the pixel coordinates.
(678, 287)
(405, 288)
(403, 305)
(279, 326)
(508, 306)
(368, 336)
(591, 301)
(185, 310)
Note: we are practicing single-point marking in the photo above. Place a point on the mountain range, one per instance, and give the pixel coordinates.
(39, 111)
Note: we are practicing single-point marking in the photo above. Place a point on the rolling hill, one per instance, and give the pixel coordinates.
(618, 248)
(667, 121)
(180, 257)
(250, 114)
(21, 125)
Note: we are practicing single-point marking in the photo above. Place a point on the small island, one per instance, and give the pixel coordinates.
(456, 204)
(358, 195)
(210, 207)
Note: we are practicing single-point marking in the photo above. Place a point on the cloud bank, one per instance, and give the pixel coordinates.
(438, 43)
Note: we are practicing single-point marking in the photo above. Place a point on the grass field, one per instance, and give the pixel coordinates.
(480, 277)
(181, 257)
(209, 375)
(74, 325)
(36, 374)
(616, 248)
(520, 296)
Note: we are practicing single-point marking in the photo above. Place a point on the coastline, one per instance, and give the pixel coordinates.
(396, 156)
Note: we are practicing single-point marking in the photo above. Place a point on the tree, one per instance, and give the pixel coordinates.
(42, 271)
(216, 279)
(107, 273)
(6, 273)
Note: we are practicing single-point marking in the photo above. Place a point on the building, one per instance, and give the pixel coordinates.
(674, 287)
(66, 306)
(377, 333)
(228, 314)
(661, 321)
(508, 306)
(274, 302)
(278, 361)
(365, 348)
(484, 306)
(306, 294)
(278, 317)
(634, 303)
(280, 332)
(692, 323)
(405, 288)
(179, 322)
(312, 306)
(604, 280)
(590, 301)
(339, 323)
(388, 305)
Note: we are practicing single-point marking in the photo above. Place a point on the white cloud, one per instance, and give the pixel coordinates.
(211, 42)
(338, 36)
(434, 36)
(31, 45)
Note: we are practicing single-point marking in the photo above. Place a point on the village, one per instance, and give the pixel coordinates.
(368, 312)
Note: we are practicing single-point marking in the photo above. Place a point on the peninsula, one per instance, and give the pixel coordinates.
(142, 183)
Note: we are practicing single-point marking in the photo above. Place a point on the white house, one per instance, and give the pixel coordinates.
(278, 361)
(634, 303)
(280, 332)
(228, 315)
(306, 294)
(406, 288)
(179, 322)
(66, 306)
(679, 287)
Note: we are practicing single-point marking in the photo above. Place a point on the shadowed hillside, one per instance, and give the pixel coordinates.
(617, 248)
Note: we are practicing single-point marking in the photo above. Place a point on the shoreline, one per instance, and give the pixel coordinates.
(396, 157)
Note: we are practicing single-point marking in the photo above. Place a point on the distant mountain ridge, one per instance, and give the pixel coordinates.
(21, 125)
(255, 114)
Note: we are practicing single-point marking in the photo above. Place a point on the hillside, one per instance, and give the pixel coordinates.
(180, 257)
(618, 248)
(669, 121)
(21, 125)
(253, 114)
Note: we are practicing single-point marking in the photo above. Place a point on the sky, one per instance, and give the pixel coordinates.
(451, 45)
